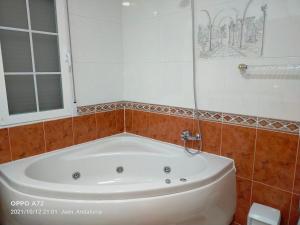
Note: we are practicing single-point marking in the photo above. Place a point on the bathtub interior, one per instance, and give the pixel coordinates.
(143, 163)
(115, 161)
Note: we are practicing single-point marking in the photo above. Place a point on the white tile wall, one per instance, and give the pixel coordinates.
(99, 82)
(97, 50)
(144, 53)
(158, 69)
(222, 88)
(107, 10)
(158, 52)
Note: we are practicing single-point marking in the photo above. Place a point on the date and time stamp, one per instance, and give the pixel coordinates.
(40, 208)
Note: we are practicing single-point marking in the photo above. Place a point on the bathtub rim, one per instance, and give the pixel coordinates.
(69, 191)
(118, 197)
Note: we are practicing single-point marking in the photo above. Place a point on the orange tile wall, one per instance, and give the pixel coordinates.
(267, 162)
(29, 140)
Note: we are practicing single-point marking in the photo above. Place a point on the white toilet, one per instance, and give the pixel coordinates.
(263, 215)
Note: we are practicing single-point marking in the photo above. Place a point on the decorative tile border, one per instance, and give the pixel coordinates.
(209, 116)
(83, 110)
(104, 107)
(161, 109)
(182, 112)
(120, 105)
(138, 106)
(227, 118)
(279, 125)
(249, 121)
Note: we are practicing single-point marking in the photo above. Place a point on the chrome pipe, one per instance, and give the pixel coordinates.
(71, 54)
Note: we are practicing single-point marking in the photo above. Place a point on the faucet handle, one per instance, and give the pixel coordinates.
(198, 137)
(185, 135)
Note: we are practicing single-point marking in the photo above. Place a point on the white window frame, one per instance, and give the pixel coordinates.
(66, 76)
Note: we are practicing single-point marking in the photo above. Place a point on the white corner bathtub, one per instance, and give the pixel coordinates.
(119, 180)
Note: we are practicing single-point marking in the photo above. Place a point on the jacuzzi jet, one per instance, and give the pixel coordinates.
(183, 180)
(168, 181)
(76, 175)
(87, 182)
(120, 169)
(167, 169)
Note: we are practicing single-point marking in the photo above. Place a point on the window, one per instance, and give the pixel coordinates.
(33, 77)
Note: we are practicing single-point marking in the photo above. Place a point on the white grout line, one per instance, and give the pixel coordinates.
(9, 143)
(295, 171)
(221, 141)
(73, 133)
(294, 179)
(273, 187)
(253, 166)
(290, 209)
(45, 144)
(244, 178)
(124, 116)
(96, 137)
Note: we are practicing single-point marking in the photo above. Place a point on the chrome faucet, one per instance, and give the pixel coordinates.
(187, 136)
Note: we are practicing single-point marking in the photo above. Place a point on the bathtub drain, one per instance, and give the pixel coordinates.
(76, 175)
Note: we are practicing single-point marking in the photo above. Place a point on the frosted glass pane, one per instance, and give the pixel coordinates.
(20, 94)
(46, 53)
(16, 51)
(43, 15)
(13, 13)
(49, 92)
